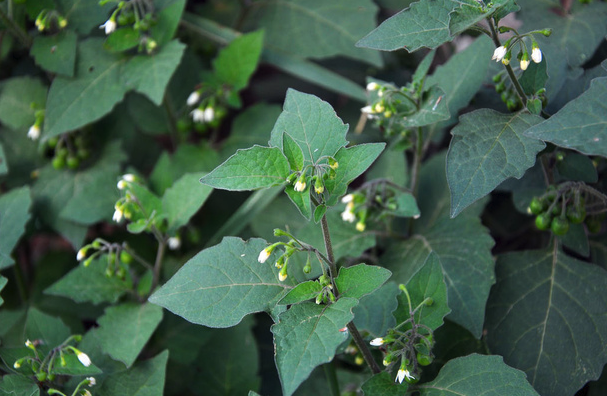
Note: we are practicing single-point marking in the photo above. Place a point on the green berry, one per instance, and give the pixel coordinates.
(62, 152)
(83, 153)
(423, 360)
(41, 376)
(52, 142)
(542, 222)
(58, 162)
(559, 226)
(125, 257)
(594, 224)
(73, 162)
(576, 215)
(537, 206)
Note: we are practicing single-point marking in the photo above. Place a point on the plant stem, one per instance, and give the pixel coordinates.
(331, 378)
(513, 79)
(358, 339)
(15, 29)
(158, 263)
(417, 159)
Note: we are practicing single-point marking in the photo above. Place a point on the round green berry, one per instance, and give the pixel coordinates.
(576, 215)
(423, 360)
(58, 162)
(542, 222)
(73, 162)
(537, 206)
(559, 226)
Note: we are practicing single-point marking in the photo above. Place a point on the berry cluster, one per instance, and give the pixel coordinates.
(68, 150)
(117, 256)
(559, 207)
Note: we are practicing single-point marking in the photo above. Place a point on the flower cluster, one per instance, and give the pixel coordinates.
(137, 15)
(50, 20)
(355, 210)
(118, 256)
(503, 53)
(323, 169)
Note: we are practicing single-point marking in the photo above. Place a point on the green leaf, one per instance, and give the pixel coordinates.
(478, 375)
(406, 205)
(470, 67)
(307, 336)
(534, 78)
(302, 292)
(143, 379)
(301, 199)
(167, 21)
(353, 162)
(312, 123)
(422, 69)
(462, 244)
(73, 367)
(383, 168)
(319, 212)
(84, 15)
(183, 199)
(360, 280)
(57, 53)
(3, 282)
(470, 12)
(383, 384)
(90, 284)
(577, 167)
(547, 315)
(18, 385)
(14, 215)
(307, 28)
(581, 125)
(250, 169)
(3, 163)
(51, 331)
(222, 284)
(151, 74)
(487, 148)
(423, 24)
(16, 98)
(236, 63)
(374, 311)
(576, 240)
(432, 109)
(293, 152)
(427, 282)
(122, 39)
(125, 329)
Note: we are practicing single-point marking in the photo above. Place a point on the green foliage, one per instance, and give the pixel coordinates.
(14, 214)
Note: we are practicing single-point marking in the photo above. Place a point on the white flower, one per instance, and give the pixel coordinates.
(30, 344)
(372, 86)
(174, 243)
(402, 373)
(282, 276)
(347, 198)
(17, 364)
(536, 54)
(121, 185)
(300, 185)
(499, 53)
(208, 114)
(367, 110)
(264, 254)
(348, 216)
(128, 177)
(85, 392)
(34, 132)
(109, 26)
(91, 381)
(81, 254)
(118, 213)
(377, 341)
(524, 64)
(84, 358)
(360, 226)
(193, 98)
(198, 115)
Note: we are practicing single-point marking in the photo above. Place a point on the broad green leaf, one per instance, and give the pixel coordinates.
(576, 240)
(406, 205)
(300, 293)
(92, 93)
(462, 244)
(598, 250)
(73, 366)
(534, 78)
(470, 12)
(3, 163)
(312, 123)
(84, 15)
(222, 284)
(90, 284)
(301, 199)
(122, 39)
(151, 74)
(470, 67)
(581, 125)
(423, 24)
(359, 280)
(143, 379)
(16, 97)
(422, 69)
(293, 152)
(231, 367)
(307, 336)
(236, 63)
(57, 53)
(547, 315)
(353, 162)
(183, 199)
(90, 194)
(308, 28)
(250, 169)
(577, 167)
(18, 385)
(14, 215)
(167, 21)
(49, 330)
(478, 375)
(383, 384)
(427, 282)
(487, 148)
(3, 282)
(374, 311)
(319, 212)
(432, 109)
(125, 329)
